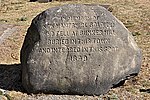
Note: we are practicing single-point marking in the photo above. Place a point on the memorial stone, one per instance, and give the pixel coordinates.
(77, 49)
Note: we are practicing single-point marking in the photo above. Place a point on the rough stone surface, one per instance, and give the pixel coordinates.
(10, 43)
(6, 30)
(77, 49)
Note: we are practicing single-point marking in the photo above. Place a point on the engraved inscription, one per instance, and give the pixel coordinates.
(77, 58)
(78, 41)
(79, 37)
(106, 24)
(78, 49)
(88, 32)
(72, 18)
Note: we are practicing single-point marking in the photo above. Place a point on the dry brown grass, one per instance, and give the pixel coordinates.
(135, 14)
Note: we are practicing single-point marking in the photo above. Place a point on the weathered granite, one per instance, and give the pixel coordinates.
(10, 43)
(77, 49)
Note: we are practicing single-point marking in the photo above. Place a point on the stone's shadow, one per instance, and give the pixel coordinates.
(10, 77)
(119, 84)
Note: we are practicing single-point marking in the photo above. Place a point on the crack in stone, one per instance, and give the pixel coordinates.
(96, 83)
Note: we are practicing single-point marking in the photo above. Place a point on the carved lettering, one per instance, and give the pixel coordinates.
(78, 58)
(83, 49)
(96, 24)
(77, 41)
(73, 33)
(79, 37)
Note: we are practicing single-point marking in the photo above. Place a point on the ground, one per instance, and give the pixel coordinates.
(18, 15)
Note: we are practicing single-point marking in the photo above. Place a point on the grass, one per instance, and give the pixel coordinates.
(5, 95)
(135, 14)
(23, 18)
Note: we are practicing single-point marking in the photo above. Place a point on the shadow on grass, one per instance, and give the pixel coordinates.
(145, 90)
(10, 77)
